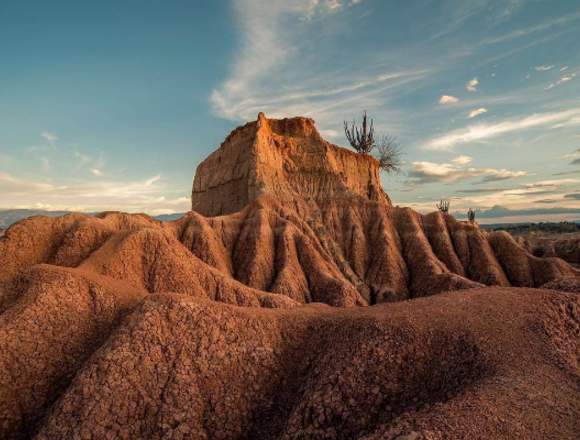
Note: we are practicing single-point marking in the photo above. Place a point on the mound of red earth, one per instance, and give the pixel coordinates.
(565, 245)
(121, 326)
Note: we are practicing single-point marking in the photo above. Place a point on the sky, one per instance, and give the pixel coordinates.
(111, 105)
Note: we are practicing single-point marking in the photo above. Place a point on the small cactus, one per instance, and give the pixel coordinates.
(443, 206)
(471, 215)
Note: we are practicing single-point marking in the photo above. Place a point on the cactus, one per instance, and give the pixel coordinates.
(363, 140)
(471, 215)
(443, 206)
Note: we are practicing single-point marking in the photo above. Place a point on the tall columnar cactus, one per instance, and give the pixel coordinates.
(361, 139)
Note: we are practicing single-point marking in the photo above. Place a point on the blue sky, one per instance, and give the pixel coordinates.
(112, 104)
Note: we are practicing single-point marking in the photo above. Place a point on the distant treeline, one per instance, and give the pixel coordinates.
(525, 228)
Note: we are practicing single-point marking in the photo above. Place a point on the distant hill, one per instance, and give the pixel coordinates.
(10, 216)
(169, 217)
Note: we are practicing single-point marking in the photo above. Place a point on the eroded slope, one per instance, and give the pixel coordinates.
(483, 363)
(342, 255)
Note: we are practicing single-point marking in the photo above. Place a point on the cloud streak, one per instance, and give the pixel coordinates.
(541, 27)
(268, 73)
(423, 172)
(474, 113)
(51, 138)
(564, 79)
(481, 132)
(471, 85)
(150, 195)
(448, 99)
(544, 67)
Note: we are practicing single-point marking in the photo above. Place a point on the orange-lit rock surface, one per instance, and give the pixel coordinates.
(223, 326)
(286, 158)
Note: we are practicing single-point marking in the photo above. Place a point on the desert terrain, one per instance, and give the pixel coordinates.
(560, 240)
(294, 301)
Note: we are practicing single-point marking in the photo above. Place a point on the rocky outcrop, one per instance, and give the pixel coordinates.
(220, 326)
(565, 246)
(314, 226)
(183, 367)
(286, 158)
(283, 182)
(268, 255)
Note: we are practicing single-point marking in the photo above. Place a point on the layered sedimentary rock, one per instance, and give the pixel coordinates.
(286, 158)
(121, 326)
(283, 169)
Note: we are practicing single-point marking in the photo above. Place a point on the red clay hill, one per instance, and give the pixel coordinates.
(220, 325)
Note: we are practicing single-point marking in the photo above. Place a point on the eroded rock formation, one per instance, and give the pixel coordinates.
(121, 326)
(287, 159)
(294, 184)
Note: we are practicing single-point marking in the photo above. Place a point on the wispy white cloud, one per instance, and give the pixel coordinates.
(480, 132)
(51, 138)
(562, 80)
(429, 172)
(572, 122)
(522, 197)
(541, 27)
(150, 195)
(321, 7)
(268, 72)
(575, 156)
(330, 134)
(477, 112)
(471, 85)
(448, 99)
(572, 155)
(462, 160)
(10, 185)
(544, 67)
(554, 183)
(264, 47)
(97, 172)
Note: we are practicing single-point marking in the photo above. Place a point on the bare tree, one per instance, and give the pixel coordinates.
(389, 154)
(363, 139)
(443, 206)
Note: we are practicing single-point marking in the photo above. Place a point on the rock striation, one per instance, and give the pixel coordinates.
(286, 158)
(277, 173)
(219, 325)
